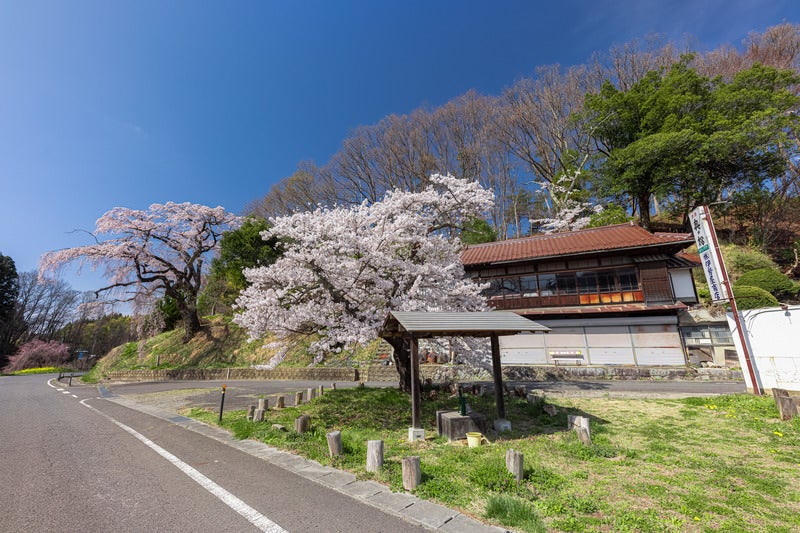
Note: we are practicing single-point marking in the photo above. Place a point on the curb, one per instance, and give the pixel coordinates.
(402, 505)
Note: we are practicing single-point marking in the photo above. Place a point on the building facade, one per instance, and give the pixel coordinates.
(610, 295)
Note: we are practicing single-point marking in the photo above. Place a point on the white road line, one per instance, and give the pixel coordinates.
(60, 390)
(74, 396)
(251, 515)
(65, 392)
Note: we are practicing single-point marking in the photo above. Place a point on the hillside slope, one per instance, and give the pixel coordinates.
(221, 344)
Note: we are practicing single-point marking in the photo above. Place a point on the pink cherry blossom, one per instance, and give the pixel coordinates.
(343, 269)
(163, 249)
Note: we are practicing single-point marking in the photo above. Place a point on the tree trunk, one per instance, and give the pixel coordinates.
(643, 199)
(402, 361)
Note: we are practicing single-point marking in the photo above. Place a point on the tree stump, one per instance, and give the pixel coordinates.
(258, 415)
(412, 475)
(335, 447)
(298, 397)
(514, 463)
(280, 403)
(374, 455)
(250, 410)
(302, 423)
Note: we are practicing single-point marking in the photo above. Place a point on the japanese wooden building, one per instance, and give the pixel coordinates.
(610, 295)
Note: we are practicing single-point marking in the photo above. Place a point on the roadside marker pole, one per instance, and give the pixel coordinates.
(222, 403)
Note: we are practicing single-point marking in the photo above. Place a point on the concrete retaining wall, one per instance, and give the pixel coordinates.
(294, 374)
(437, 373)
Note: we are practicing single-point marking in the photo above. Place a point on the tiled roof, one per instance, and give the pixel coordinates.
(606, 238)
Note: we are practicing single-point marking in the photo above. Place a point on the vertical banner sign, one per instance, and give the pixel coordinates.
(717, 277)
(707, 247)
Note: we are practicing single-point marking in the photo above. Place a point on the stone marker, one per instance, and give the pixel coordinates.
(298, 397)
(374, 455)
(279, 427)
(302, 423)
(310, 394)
(412, 475)
(280, 402)
(250, 410)
(333, 386)
(335, 447)
(262, 404)
(258, 415)
(787, 406)
(321, 390)
(582, 426)
(583, 435)
(514, 463)
(576, 421)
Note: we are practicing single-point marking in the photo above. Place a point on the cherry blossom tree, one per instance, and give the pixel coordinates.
(162, 250)
(343, 269)
(565, 198)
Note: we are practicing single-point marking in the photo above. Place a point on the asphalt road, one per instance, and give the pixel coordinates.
(241, 393)
(72, 461)
(78, 459)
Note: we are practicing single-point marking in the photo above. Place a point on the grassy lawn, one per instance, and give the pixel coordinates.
(701, 464)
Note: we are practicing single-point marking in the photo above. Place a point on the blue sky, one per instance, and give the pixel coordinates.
(115, 103)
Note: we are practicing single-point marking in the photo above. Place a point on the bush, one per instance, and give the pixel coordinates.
(36, 353)
(741, 259)
(772, 281)
(753, 298)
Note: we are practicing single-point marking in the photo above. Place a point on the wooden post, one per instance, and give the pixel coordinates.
(333, 386)
(321, 391)
(262, 404)
(280, 402)
(258, 415)
(412, 474)
(310, 394)
(415, 399)
(498, 378)
(335, 447)
(298, 398)
(302, 423)
(250, 410)
(514, 463)
(374, 455)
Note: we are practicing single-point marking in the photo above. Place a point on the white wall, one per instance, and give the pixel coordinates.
(641, 341)
(773, 335)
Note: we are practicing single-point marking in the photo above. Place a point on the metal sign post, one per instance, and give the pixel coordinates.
(717, 277)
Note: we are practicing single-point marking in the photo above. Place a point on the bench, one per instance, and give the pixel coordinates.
(566, 357)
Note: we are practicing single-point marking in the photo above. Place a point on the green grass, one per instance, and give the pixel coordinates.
(221, 344)
(701, 464)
